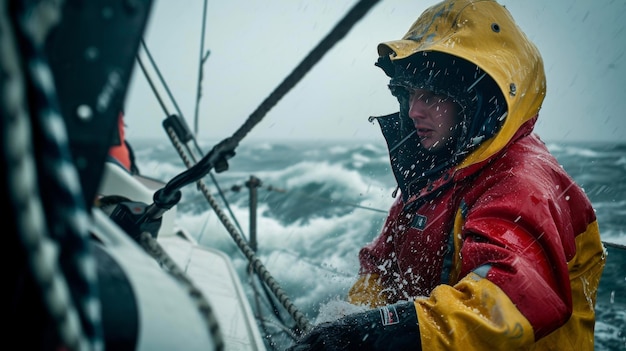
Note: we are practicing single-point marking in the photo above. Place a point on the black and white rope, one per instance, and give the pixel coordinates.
(43, 183)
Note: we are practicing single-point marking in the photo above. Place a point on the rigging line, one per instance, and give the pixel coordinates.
(337, 33)
(158, 72)
(228, 208)
(158, 96)
(259, 307)
(201, 61)
(254, 261)
(152, 86)
(169, 93)
(200, 71)
(236, 188)
(171, 96)
(230, 211)
(336, 202)
(167, 89)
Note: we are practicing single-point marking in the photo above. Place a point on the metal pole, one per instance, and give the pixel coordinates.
(253, 184)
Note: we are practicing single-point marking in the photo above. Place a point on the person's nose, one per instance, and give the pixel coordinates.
(417, 107)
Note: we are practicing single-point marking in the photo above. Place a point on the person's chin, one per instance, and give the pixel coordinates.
(430, 146)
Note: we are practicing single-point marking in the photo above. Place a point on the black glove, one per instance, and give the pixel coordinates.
(392, 327)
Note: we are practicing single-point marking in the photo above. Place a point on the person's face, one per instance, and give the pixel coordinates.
(435, 117)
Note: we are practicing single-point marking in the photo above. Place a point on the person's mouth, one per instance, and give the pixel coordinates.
(424, 132)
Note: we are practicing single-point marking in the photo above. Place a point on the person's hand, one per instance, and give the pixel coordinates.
(392, 327)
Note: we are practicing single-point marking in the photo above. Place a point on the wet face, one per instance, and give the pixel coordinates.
(436, 118)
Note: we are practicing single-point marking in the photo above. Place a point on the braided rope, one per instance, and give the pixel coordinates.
(61, 254)
(256, 264)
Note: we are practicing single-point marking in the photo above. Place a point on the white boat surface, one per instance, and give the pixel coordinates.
(171, 323)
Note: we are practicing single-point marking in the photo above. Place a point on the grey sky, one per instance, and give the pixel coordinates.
(255, 44)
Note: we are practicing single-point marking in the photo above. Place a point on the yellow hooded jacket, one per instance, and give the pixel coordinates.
(514, 256)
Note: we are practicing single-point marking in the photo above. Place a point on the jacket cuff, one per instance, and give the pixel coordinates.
(391, 327)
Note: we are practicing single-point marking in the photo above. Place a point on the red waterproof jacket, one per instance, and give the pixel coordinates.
(502, 250)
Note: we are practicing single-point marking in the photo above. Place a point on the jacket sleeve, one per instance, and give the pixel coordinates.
(367, 291)
(514, 288)
(377, 265)
(472, 315)
(521, 234)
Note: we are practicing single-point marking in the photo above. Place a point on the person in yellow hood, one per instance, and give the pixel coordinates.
(490, 244)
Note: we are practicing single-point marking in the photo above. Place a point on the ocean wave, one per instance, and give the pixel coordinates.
(318, 204)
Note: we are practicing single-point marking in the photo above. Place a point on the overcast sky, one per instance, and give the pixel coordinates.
(254, 45)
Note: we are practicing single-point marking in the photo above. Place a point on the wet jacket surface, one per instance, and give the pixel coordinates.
(502, 250)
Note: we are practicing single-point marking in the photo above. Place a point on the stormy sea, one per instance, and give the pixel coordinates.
(316, 203)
